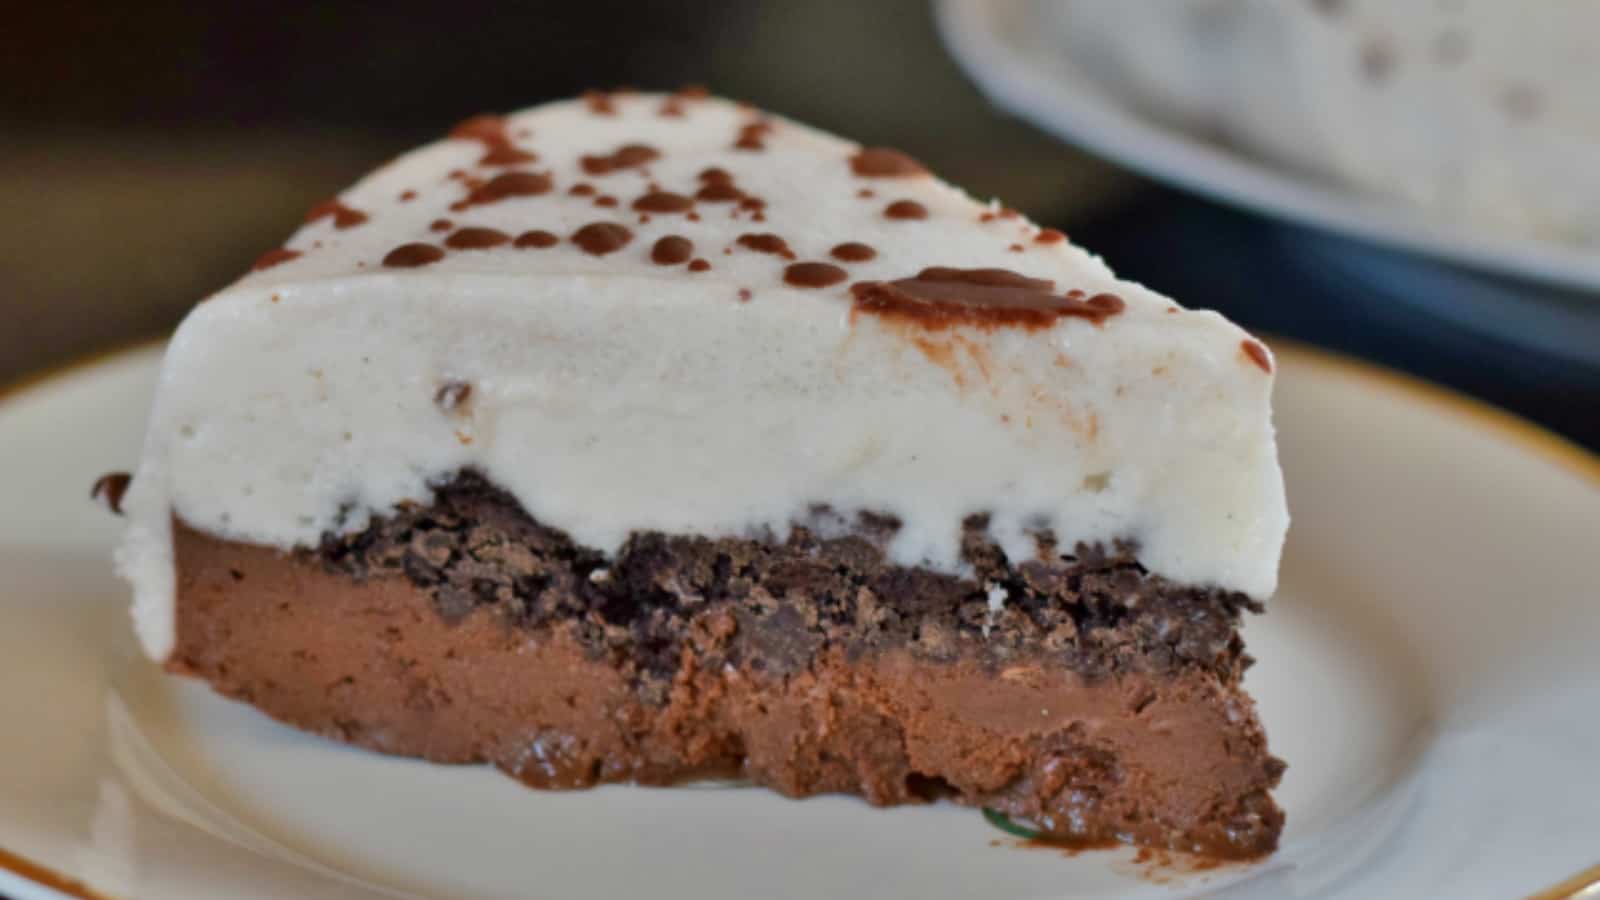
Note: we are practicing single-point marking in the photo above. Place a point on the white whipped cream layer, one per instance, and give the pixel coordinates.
(610, 394)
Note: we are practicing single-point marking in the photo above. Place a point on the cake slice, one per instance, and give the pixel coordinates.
(650, 437)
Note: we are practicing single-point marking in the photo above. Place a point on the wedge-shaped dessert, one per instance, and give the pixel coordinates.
(648, 437)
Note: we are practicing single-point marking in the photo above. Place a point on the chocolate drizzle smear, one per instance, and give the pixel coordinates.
(628, 156)
(675, 104)
(766, 242)
(274, 257)
(716, 186)
(506, 184)
(939, 297)
(498, 148)
(452, 395)
(599, 103)
(109, 488)
(1257, 354)
(753, 136)
(343, 216)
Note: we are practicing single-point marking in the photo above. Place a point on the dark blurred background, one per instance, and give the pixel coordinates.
(148, 153)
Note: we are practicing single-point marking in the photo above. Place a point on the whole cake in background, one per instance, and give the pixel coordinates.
(647, 437)
(1481, 111)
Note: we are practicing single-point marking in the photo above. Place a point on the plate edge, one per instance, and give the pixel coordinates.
(48, 882)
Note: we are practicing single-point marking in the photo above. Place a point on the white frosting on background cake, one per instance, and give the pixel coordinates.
(610, 393)
(1482, 110)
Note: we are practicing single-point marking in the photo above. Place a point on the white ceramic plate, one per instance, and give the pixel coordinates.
(1428, 670)
(1013, 59)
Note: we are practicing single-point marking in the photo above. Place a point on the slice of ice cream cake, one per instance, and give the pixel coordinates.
(646, 437)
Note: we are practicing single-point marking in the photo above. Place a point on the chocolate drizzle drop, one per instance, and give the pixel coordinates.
(671, 250)
(719, 192)
(663, 202)
(853, 251)
(600, 238)
(476, 239)
(410, 256)
(537, 239)
(813, 274)
(906, 209)
(882, 162)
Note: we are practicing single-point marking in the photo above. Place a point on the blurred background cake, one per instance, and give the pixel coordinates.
(1476, 109)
